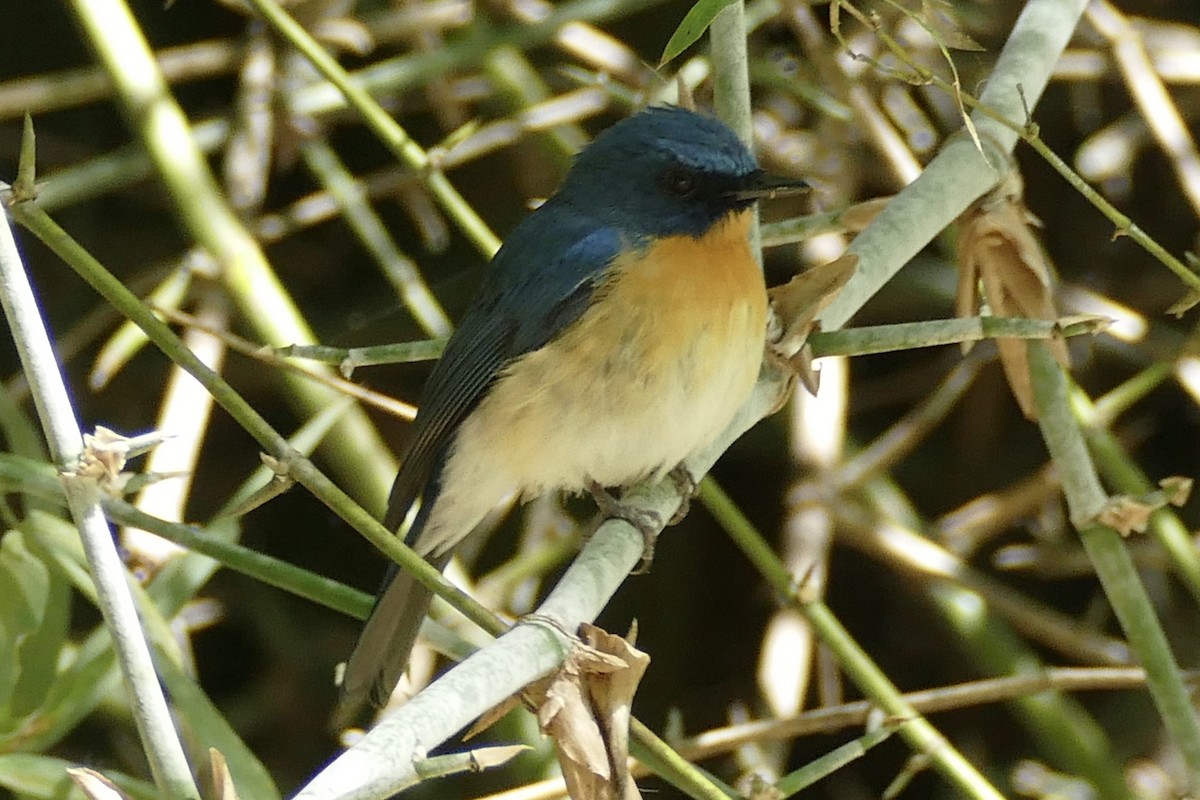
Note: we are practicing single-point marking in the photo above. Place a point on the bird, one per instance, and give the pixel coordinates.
(621, 325)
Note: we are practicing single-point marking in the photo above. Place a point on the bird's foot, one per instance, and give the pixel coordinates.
(648, 523)
(685, 483)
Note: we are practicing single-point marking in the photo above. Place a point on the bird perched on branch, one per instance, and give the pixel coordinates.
(620, 328)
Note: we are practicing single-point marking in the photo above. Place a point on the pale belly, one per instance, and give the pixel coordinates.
(634, 387)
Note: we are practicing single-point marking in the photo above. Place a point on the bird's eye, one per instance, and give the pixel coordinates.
(679, 182)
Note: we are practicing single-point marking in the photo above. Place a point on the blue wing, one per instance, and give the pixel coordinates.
(540, 282)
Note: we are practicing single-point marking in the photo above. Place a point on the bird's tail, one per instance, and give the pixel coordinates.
(381, 655)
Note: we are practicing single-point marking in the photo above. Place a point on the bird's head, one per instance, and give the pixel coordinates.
(667, 171)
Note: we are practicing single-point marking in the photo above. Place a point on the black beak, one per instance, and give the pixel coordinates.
(759, 185)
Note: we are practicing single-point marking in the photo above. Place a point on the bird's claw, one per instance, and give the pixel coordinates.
(648, 523)
(685, 484)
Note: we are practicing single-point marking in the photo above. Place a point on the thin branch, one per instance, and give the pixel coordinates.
(359, 453)
(32, 479)
(278, 359)
(1086, 499)
(731, 82)
(384, 126)
(299, 468)
(832, 719)
(73, 87)
(907, 550)
(960, 173)
(916, 730)
(1152, 99)
(163, 749)
(400, 270)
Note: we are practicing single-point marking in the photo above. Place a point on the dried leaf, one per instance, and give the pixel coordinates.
(810, 379)
(1083, 324)
(491, 717)
(476, 760)
(103, 459)
(794, 308)
(95, 785)
(857, 217)
(566, 716)
(105, 453)
(1177, 489)
(585, 708)
(997, 249)
(1126, 514)
(798, 302)
(222, 780)
(498, 755)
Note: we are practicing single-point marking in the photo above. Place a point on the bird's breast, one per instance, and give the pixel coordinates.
(650, 373)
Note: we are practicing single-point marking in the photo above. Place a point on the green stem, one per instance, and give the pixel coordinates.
(354, 445)
(387, 129)
(1114, 566)
(909, 335)
(323, 161)
(660, 757)
(960, 173)
(299, 468)
(731, 83)
(161, 744)
(1123, 474)
(36, 480)
(871, 680)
